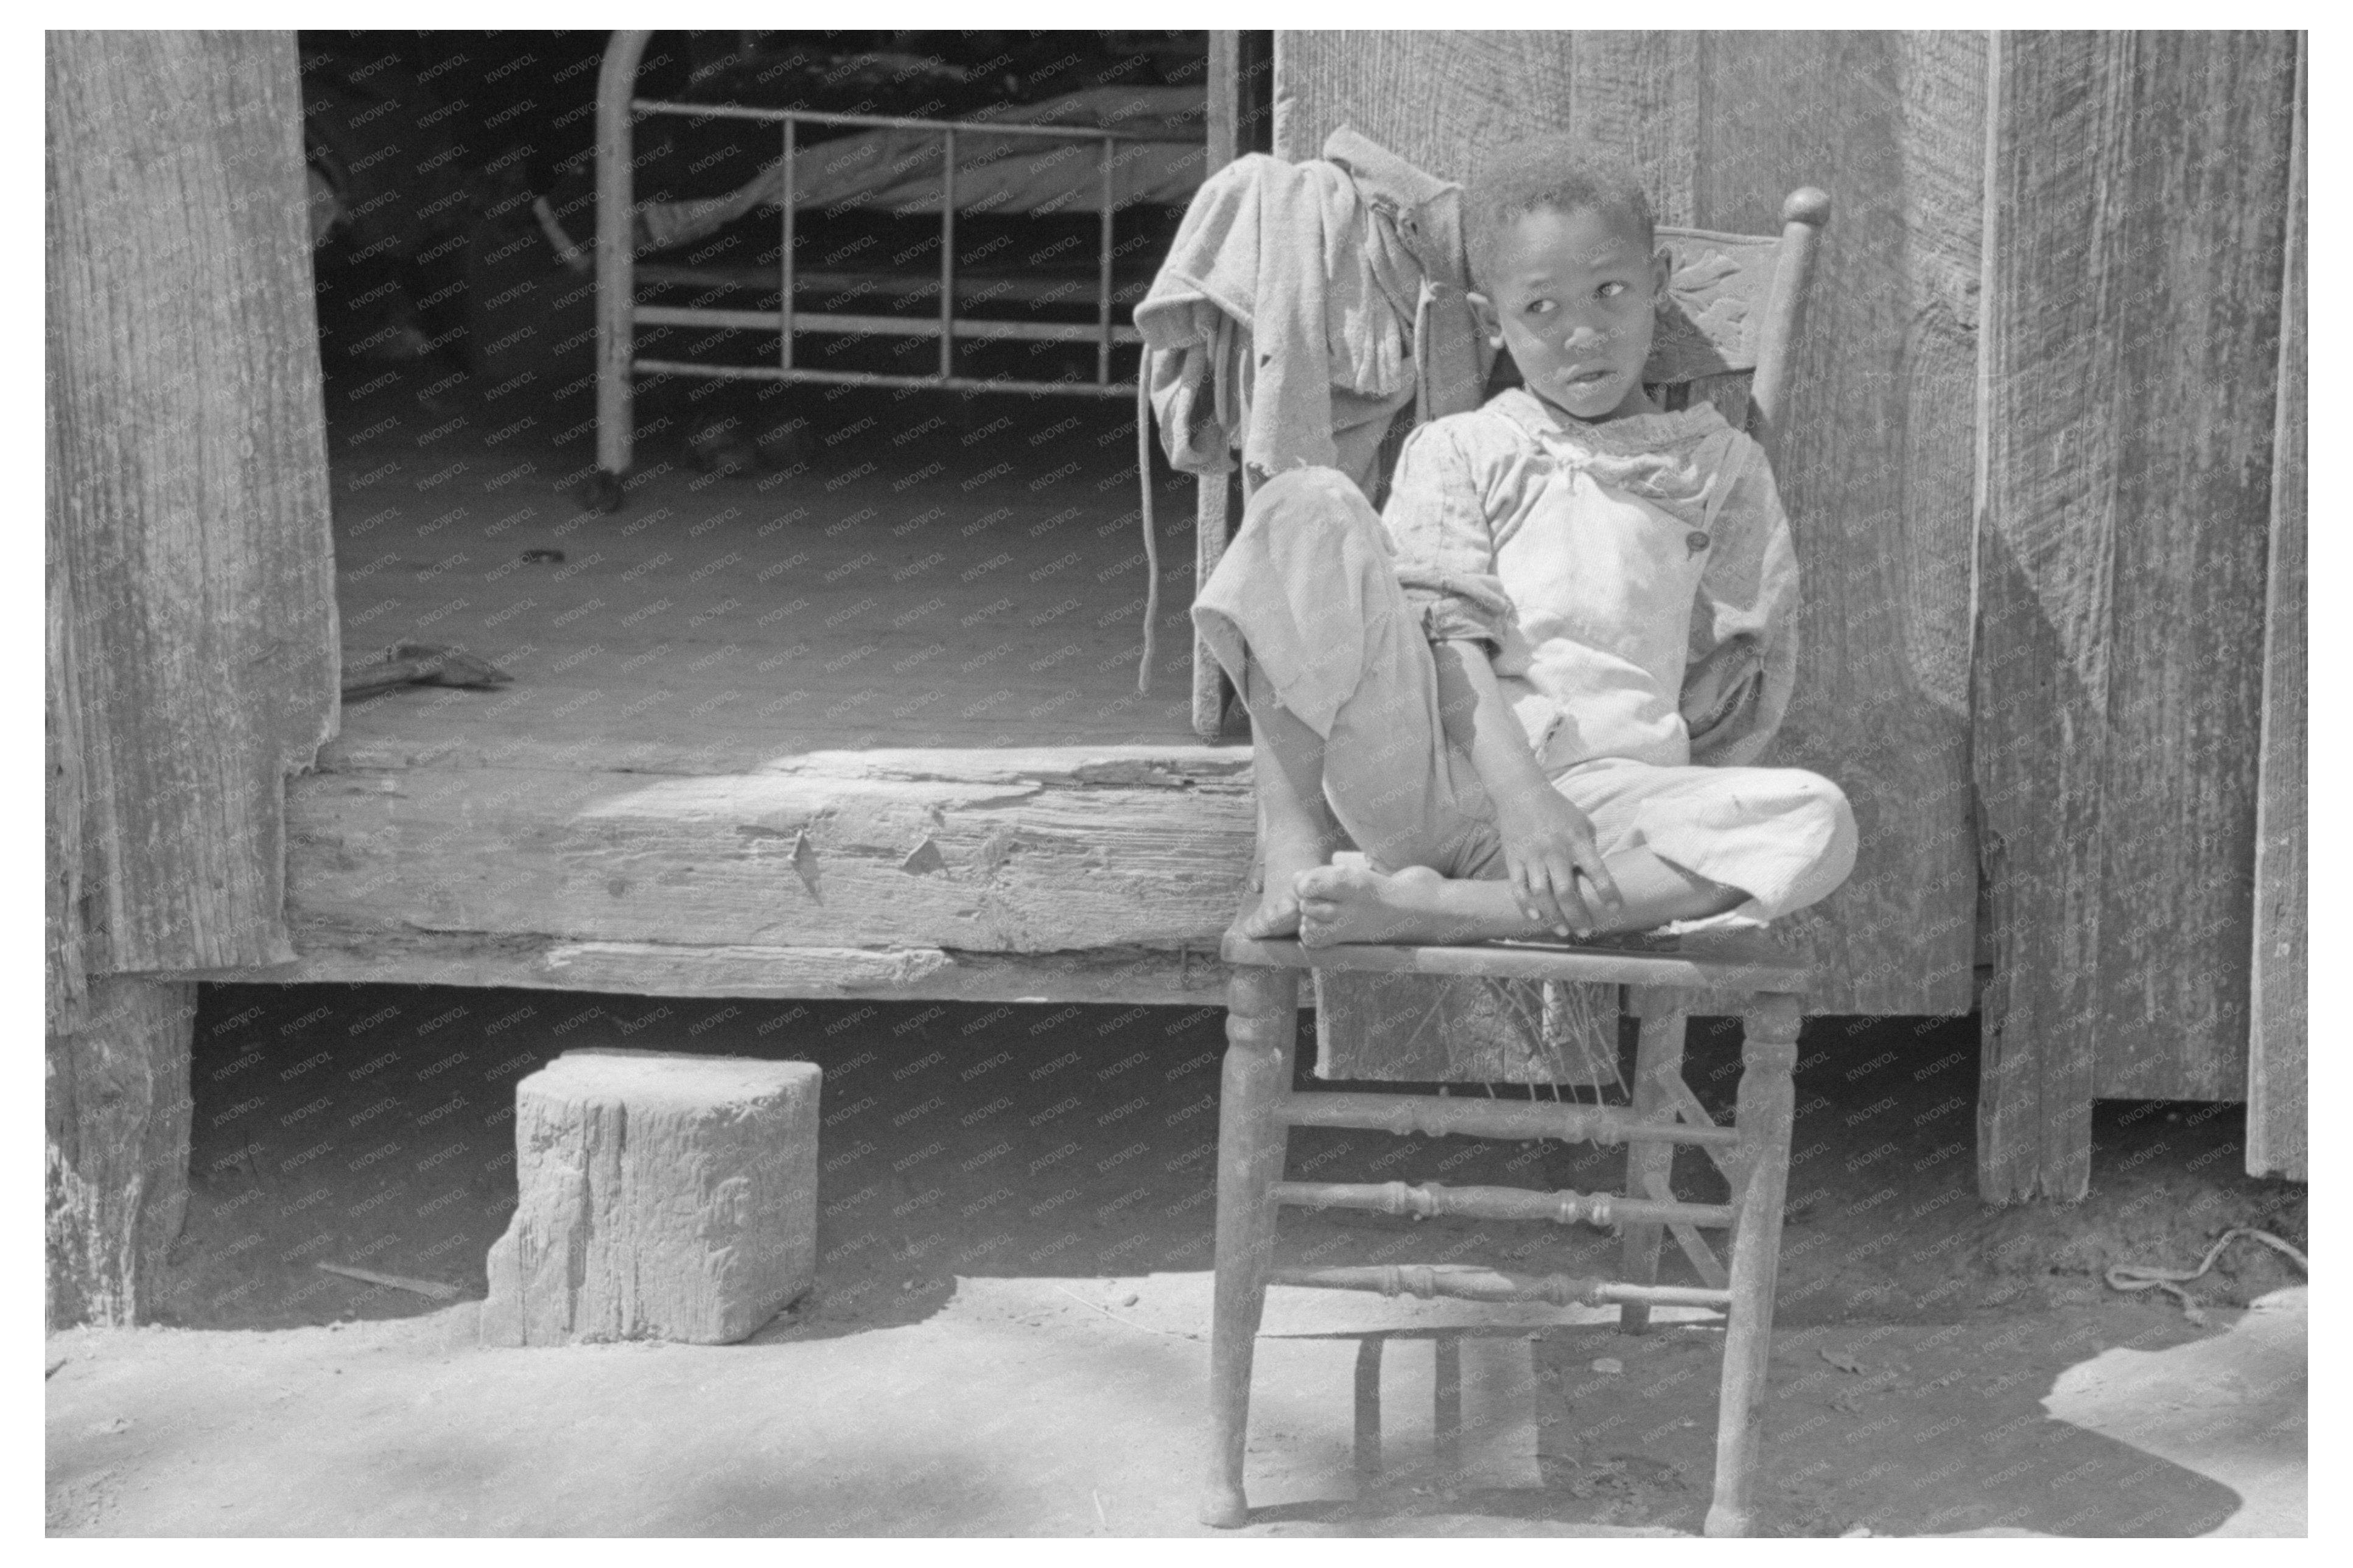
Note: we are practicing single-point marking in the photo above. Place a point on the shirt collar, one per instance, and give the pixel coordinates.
(1665, 458)
(1636, 433)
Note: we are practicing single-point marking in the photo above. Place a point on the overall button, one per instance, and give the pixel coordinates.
(1694, 542)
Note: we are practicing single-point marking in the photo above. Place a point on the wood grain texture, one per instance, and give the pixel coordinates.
(660, 1196)
(1874, 469)
(2278, 1137)
(1079, 851)
(1254, 1084)
(116, 1114)
(1432, 98)
(2200, 233)
(188, 509)
(333, 955)
(2122, 538)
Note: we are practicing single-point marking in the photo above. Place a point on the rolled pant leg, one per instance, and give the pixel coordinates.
(1304, 607)
(1783, 836)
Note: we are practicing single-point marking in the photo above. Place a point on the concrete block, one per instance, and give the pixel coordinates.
(661, 1196)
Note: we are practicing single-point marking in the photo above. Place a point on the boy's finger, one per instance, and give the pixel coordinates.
(1567, 902)
(1530, 885)
(1523, 891)
(1596, 871)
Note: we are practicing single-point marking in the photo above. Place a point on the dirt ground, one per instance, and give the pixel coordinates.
(1015, 1216)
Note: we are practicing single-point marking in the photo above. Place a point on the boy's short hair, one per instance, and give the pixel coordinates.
(1557, 171)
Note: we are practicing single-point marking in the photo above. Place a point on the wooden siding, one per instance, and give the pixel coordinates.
(2136, 226)
(192, 616)
(2277, 1133)
(190, 598)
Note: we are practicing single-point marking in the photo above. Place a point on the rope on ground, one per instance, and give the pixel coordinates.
(2128, 1277)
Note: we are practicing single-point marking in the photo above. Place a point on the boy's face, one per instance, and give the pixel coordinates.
(1573, 298)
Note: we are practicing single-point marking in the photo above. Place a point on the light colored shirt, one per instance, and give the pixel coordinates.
(1634, 580)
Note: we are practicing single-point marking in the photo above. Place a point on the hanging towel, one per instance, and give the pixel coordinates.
(1302, 305)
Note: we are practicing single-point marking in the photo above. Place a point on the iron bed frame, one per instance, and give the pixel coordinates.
(618, 313)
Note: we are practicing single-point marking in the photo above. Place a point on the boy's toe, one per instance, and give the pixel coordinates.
(1323, 881)
(1269, 920)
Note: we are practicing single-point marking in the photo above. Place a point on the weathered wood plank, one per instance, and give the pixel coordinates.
(2121, 550)
(1432, 98)
(1083, 852)
(116, 1110)
(1645, 95)
(1874, 468)
(1131, 976)
(190, 608)
(2278, 1137)
(187, 497)
(2189, 355)
(2045, 537)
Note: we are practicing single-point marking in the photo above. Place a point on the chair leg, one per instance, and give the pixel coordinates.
(1657, 1059)
(1767, 1054)
(1446, 1408)
(1261, 1028)
(1368, 1416)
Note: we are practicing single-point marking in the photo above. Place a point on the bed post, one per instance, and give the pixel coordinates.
(1212, 694)
(615, 267)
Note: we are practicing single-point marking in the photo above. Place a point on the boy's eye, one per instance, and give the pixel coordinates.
(1611, 290)
(1540, 307)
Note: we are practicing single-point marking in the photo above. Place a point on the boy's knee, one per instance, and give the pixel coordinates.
(1328, 483)
(1828, 805)
(1321, 491)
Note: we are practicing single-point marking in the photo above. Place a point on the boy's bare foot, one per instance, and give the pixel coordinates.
(1290, 851)
(1349, 903)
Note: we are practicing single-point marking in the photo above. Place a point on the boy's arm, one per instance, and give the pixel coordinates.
(1440, 542)
(1479, 721)
(1548, 841)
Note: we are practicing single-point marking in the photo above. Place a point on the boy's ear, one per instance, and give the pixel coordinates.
(1662, 269)
(1491, 326)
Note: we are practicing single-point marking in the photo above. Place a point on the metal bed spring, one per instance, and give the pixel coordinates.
(619, 314)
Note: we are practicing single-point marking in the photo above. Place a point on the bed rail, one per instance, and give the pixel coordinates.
(619, 314)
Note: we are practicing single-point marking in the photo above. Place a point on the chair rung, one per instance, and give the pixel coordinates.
(1437, 1115)
(1473, 1284)
(1499, 1203)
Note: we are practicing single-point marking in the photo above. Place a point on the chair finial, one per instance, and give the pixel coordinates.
(1807, 205)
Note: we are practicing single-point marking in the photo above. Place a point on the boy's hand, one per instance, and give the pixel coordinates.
(1547, 842)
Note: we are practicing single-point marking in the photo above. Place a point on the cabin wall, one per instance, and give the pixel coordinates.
(190, 597)
(2131, 385)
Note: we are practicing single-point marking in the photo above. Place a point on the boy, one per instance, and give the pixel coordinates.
(1500, 689)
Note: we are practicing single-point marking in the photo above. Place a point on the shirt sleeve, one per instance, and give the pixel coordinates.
(1441, 541)
(1744, 649)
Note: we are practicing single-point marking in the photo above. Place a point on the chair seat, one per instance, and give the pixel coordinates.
(1734, 961)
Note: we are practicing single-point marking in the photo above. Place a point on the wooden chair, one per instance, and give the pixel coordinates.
(1739, 298)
